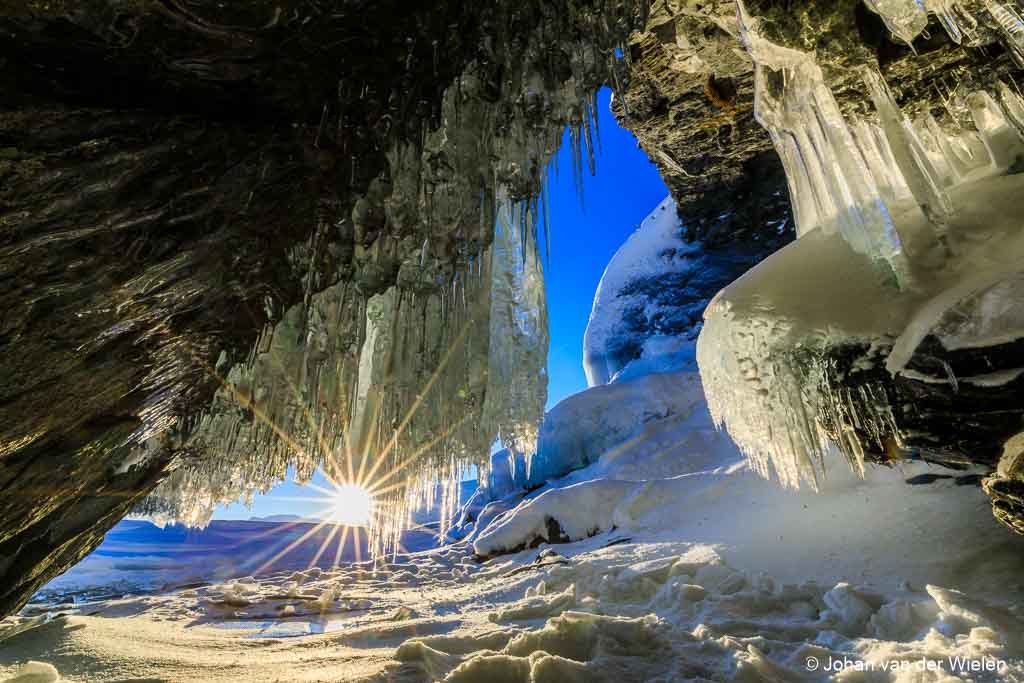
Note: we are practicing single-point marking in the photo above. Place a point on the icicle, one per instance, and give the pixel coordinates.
(832, 187)
(957, 166)
(878, 159)
(957, 22)
(922, 178)
(1000, 138)
(1013, 107)
(597, 117)
(906, 19)
(588, 141)
(1011, 27)
(931, 146)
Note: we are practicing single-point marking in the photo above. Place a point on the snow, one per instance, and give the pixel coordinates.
(648, 305)
(689, 565)
(35, 672)
(583, 427)
(653, 249)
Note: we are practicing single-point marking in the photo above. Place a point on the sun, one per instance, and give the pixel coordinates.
(351, 505)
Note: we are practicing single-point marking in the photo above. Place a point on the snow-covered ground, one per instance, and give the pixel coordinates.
(688, 566)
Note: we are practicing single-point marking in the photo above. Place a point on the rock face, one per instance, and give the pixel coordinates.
(202, 201)
(218, 219)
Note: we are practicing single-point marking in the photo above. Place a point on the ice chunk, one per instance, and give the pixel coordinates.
(905, 18)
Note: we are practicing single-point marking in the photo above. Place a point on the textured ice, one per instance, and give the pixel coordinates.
(935, 207)
(905, 18)
(770, 340)
(832, 186)
(399, 387)
(1011, 26)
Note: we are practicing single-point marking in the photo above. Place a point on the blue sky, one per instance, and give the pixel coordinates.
(584, 237)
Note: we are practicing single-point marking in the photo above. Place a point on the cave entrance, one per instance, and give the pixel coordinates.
(277, 529)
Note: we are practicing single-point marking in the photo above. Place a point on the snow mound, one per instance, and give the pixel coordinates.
(585, 426)
(36, 672)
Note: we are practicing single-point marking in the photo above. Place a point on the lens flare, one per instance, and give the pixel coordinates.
(351, 505)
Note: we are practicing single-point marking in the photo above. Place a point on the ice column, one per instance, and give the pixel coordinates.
(517, 361)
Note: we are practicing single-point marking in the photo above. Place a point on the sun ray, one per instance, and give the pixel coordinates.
(415, 455)
(341, 545)
(323, 546)
(392, 443)
(294, 544)
(357, 540)
(366, 438)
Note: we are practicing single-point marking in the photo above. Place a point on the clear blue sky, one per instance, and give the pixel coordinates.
(583, 239)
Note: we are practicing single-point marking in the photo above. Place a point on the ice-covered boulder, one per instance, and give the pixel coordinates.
(585, 426)
(651, 298)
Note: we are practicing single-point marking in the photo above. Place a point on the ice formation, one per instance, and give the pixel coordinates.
(831, 184)
(684, 565)
(908, 19)
(890, 212)
(397, 386)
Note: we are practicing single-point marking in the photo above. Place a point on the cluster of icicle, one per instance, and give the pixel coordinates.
(908, 19)
(404, 392)
(847, 178)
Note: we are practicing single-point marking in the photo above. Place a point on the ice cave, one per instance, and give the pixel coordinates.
(309, 373)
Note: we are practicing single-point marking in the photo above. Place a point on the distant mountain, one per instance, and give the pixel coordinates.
(285, 518)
